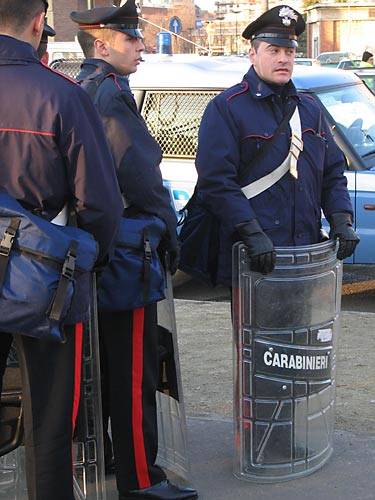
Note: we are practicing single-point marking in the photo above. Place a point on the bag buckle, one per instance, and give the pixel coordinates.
(147, 249)
(8, 238)
(69, 265)
(7, 242)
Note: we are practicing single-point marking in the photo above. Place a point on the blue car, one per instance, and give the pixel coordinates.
(172, 93)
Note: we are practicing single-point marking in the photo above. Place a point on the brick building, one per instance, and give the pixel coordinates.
(59, 10)
(58, 16)
(340, 27)
(160, 16)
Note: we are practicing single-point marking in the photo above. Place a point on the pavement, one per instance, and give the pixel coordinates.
(206, 372)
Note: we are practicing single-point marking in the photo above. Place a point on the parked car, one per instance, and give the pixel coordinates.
(172, 95)
(304, 61)
(332, 59)
(367, 75)
(350, 64)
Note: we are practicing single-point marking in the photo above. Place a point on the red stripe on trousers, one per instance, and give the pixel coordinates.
(77, 371)
(137, 406)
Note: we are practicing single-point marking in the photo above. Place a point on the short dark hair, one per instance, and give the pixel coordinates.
(17, 14)
(255, 44)
(86, 39)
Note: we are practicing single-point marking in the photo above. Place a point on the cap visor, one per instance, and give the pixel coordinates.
(280, 42)
(133, 32)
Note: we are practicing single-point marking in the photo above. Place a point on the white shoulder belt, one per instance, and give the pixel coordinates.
(290, 162)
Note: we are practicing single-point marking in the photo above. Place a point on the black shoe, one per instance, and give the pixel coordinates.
(161, 491)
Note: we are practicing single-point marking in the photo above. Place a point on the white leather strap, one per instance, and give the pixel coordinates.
(61, 218)
(290, 162)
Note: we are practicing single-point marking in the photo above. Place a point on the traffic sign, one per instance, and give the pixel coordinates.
(198, 24)
(175, 25)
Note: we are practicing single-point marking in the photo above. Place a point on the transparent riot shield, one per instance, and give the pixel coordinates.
(285, 330)
(88, 449)
(88, 458)
(172, 431)
(12, 457)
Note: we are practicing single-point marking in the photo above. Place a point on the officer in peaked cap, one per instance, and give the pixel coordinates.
(124, 19)
(112, 44)
(278, 26)
(42, 49)
(283, 211)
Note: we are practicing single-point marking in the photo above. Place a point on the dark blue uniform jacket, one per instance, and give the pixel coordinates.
(234, 126)
(136, 154)
(53, 148)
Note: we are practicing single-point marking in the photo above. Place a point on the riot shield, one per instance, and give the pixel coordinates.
(285, 328)
(88, 449)
(12, 457)
(88, 459)
(172, 431)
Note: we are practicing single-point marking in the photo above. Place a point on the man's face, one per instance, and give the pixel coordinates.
(272, 63)
(124, 53)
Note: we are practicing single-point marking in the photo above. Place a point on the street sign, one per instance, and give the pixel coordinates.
(175, 25)
(198, 24)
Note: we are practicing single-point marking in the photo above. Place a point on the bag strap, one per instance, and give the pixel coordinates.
(263, 150)
(290, 162)
(6, 246)
(66, 276)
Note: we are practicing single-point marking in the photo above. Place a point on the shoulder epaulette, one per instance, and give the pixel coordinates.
(238, 89)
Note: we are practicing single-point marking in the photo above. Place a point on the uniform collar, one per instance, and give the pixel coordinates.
(16, 51)
(92, 67)
(259, 89)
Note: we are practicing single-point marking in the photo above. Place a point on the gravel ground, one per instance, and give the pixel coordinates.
(205, 335)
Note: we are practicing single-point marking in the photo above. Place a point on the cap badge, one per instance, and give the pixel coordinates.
(287, 14)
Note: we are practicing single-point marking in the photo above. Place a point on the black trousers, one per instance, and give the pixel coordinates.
(130, 366)
(51, 375)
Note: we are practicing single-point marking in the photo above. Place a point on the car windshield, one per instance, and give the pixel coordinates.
(353, 109)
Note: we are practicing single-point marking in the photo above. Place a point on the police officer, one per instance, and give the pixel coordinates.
(42, 49)
(112, 44)
(53, 152)
(236, 125)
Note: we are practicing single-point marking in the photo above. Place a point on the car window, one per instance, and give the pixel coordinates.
(353, 110)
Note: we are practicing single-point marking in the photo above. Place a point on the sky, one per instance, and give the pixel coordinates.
(206, 4)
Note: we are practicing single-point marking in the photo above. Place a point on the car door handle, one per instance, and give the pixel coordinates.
(369, 206)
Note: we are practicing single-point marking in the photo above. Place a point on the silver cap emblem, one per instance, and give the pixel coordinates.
(287, 14)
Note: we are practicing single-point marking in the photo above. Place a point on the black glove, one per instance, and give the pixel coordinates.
(169, 249)
(261, 249)
(341, 228)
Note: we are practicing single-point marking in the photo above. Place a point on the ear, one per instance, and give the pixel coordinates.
(252, 53)
(38, 24)
(101, 48)
(45, 58)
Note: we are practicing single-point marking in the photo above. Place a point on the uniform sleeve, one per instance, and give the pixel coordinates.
(217, 164)
(335, 195)
(90, 170)
(137, 157)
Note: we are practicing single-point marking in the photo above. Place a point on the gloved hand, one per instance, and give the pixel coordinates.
(170, 248)
(261, 249)
(341, 229)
